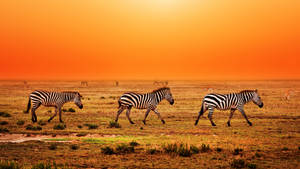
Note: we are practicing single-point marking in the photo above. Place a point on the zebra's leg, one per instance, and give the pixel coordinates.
(146, 115)
(33, 114)
(201, 112)
(230, 116)
(158, 114)
(128, 115)
(211, 110)
(53, 115)
(118, 114)
(59, 111)
(244, 114)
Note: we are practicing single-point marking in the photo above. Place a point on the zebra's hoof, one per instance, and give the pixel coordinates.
(228, 124)
(163, 121)
(250, 124)
(132, 122)
(196, 122)
(213, 124)
(144, 122)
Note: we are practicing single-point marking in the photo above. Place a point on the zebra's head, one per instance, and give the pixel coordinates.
(257, 100)
(77, 100)
(168, 96)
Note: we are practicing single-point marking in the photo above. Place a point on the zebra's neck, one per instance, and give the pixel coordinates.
(68, 97)
(159, 96)
(246, 96)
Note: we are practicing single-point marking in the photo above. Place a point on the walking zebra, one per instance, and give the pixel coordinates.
(233, 101)
(52, 99)
(147, 101)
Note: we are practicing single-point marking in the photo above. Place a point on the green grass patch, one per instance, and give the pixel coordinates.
(43, 165)
(9, 165)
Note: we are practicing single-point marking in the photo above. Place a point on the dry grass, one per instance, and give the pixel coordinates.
(272, 141)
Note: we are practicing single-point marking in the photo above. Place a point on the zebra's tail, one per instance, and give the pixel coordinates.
(200, 114)
(28, 105)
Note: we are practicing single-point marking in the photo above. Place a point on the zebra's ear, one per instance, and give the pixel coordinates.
(255, 90)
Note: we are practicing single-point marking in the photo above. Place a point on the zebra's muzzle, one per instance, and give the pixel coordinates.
(261, 105)
(172, 102)
(81, 106)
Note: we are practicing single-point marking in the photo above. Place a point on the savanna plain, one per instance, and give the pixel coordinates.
(89, 138)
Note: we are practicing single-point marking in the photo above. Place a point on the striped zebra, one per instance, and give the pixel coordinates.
(52, 99)
(147, 101)
(233, 101)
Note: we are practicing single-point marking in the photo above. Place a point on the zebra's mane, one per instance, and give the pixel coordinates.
(161, 89)
(247, 91)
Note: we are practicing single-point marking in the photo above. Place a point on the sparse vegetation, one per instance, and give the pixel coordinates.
(91, 126)
(152, 151)
(71, 110)
(251, 166)
(3, 122)
(81, 134)
(33, 128)
(74, 147)
(218, 149)
(9, 165)
(43, 165)
(285, 149)
(41, 122)
(205, 148)
(59, 126)
(20, 122)
(113, 124)
(53, 146)
(237, 151)
(124, 148)
(4, 114)
(134, 143)
(107, 150)
(238, 163)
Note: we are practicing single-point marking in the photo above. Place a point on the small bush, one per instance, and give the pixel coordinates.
(74, 147)
(238, 163)
(3, 130)
(194, 149)
(170, 148)
(113, 124)
(123, 148)
(3, 122)
(34, 128)
(152, 151)
(81, 134)
(102, 97)
(257, 155)
(134, 143)
(91, 126)
(4, 114)
(59, 126)
(107, 150)
(79, 126)
(218, 149)
(71, 110)
(20, 122)
(205, 148)
(53, 147)
(42, 123)
(45, 166)
(285, 149)
(299, 148)
(9, 165)
(237, 151)
(184, 151)
(252, 166)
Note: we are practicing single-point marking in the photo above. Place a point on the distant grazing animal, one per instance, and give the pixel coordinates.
(84, 83)
(147, 101)
(231, 101)
(52, 99)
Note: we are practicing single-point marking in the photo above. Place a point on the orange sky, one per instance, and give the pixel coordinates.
(150, 39)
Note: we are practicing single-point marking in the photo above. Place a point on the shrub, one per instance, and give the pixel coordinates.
(123, 148)
(299, 148)
(34, 128)
(42, 123)
(107, 150)
(285, 149)
(20, 122)
(205, 148)
(194, 149)
(79, 126)
(9, 165)
(3, 130)
(252, 166)
(3, 122)
(53, 147)
(257, 155)
(71, 110)
(4, 114)
(91, 126)
(59, 126)
(152, 151)
(74, 147)
(170, 148)
(45, 166)
(134, 143)
(184, 151)
(102, 97)
(218, 149)
(113, 124)
(237, 151)
(238, 163)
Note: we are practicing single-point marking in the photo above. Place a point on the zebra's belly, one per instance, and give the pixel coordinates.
(49, 104)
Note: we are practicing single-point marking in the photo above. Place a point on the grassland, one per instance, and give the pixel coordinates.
(272, 142)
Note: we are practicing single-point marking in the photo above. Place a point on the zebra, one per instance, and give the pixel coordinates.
(233, 101)
(147, 101)
(52, 99)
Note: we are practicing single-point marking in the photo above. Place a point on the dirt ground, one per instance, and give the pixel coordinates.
(272, 142)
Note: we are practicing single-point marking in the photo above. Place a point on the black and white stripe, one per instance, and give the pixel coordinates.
(147, 101)
(52, 99)
(233, 101)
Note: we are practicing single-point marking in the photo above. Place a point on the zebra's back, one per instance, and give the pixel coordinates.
(221, 101)
(139, 101)
(46, 98)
